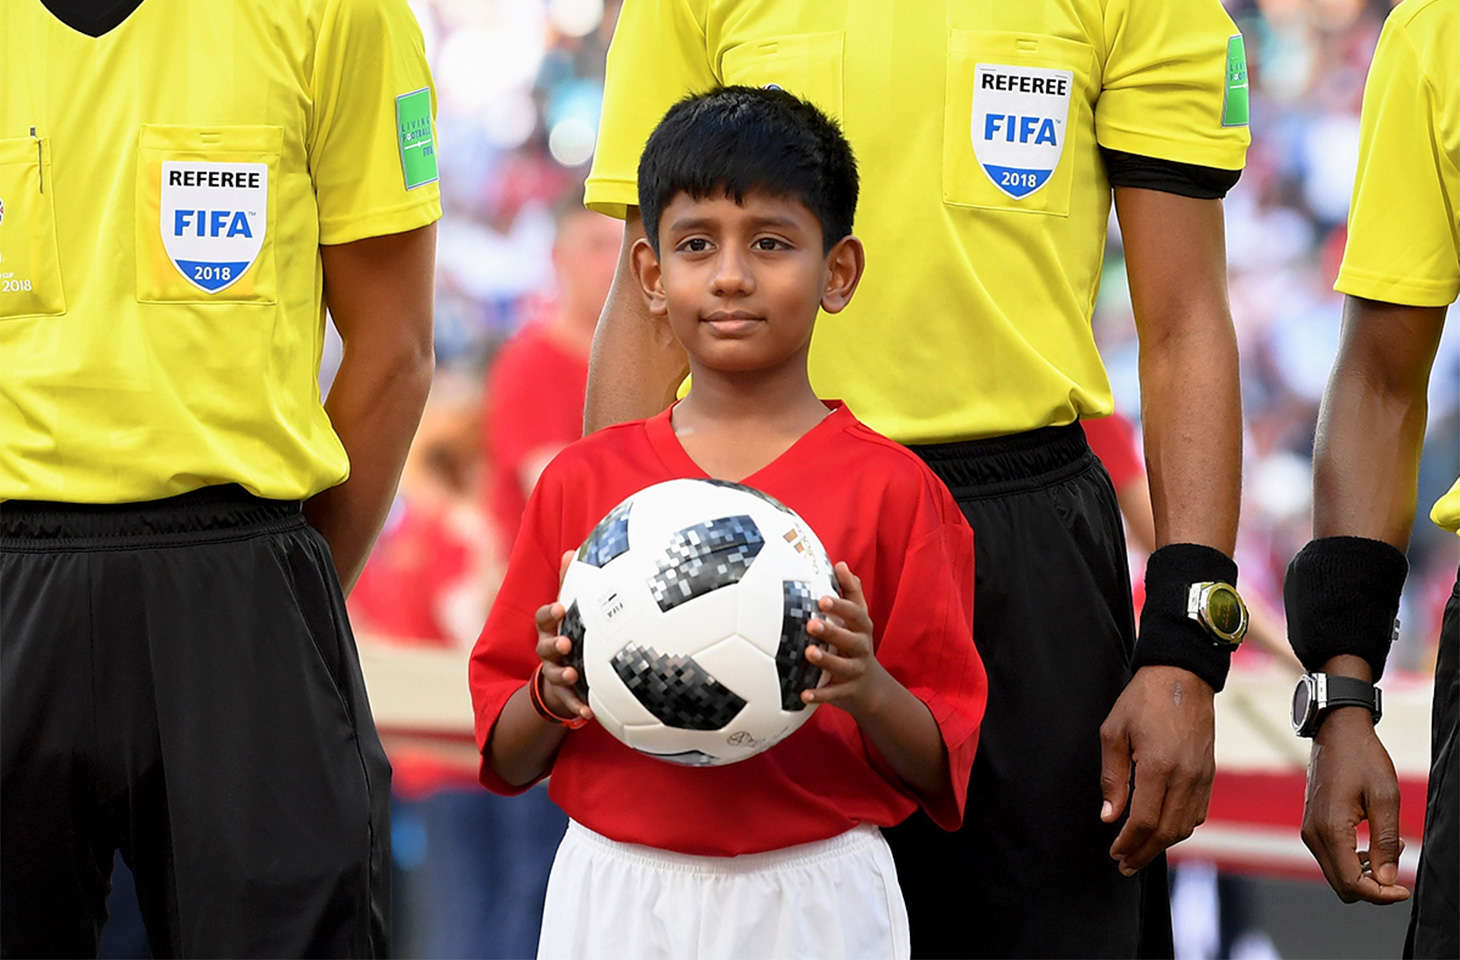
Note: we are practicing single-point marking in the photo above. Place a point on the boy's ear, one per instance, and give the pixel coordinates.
(844, 265)
(646, 268)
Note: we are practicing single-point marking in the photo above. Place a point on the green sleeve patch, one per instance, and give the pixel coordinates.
(417, 139)
(1234, 102)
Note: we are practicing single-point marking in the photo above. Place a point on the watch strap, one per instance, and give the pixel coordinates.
(1330, 692)
(1348, 692)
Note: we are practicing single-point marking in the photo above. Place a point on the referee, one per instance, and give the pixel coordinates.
(990, 136)
(185, 185)
(1401, 269)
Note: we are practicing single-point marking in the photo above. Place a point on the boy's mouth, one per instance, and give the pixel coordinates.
(732, 323)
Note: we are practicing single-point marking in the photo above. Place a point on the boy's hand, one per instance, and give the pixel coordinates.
(558, 692)
(855, 680)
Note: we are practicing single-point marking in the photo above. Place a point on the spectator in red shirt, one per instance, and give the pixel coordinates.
(535, 395)
(425, 583)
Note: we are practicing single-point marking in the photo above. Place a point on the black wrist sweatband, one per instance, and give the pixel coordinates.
(1170, 638)
(1341, 595)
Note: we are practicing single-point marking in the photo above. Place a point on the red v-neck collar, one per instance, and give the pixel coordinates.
(671, 452)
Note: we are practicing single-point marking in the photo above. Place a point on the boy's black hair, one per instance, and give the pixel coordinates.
(733, 140)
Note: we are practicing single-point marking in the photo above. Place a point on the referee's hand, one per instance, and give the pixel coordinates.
(1164, 724)
(1351, 779)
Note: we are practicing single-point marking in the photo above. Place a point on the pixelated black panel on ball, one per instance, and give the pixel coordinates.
(795, 673)
(704, 557)
(574, 630)
(676, 690)
(609, 539)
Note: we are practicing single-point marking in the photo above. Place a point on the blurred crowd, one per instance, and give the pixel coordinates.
(523, 271)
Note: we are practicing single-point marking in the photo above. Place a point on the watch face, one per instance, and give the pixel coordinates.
(1302, 699)
(1224, 610)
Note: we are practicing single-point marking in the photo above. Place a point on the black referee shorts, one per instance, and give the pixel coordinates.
(180, 682)
(1029, 874)
(1434, 920)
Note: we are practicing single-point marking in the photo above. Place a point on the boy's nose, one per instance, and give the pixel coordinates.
(733, 276)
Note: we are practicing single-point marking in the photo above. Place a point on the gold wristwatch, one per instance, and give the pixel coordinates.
(1219, 609)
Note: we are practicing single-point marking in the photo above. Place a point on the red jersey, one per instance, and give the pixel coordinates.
(534, 403)
(873, 504)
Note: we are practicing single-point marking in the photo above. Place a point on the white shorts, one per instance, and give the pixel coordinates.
(831, 899)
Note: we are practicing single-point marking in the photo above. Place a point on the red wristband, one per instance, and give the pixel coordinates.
(535, 694)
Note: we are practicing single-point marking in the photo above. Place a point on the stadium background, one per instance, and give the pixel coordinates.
(519, 85)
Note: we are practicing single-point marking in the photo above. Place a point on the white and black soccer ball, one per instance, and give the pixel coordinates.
(687, 606)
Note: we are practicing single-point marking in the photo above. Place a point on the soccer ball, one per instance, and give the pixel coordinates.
(687, 607)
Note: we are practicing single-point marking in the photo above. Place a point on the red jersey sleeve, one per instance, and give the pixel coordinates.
(505, 654)
(925, 639)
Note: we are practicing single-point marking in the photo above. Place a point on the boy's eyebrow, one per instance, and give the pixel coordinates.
(701, 223)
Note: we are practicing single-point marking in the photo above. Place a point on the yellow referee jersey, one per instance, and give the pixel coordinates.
(977, 126)
(1404, 222)
(164, 189)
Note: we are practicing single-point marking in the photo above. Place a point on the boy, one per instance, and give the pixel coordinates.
(749, 196)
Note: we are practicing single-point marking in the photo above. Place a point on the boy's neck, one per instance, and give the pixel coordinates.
(733, 425)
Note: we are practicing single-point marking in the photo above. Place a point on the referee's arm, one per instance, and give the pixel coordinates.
(637, 365)
(380, 293)
(1191, 412)
(1371, 430)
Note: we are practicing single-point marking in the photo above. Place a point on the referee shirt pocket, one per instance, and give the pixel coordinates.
(1017, 120)
(30, 266)
(207, 213)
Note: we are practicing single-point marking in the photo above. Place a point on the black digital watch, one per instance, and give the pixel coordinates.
(1319, 693)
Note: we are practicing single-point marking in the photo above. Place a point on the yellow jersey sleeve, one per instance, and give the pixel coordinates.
(1174, 83)
(372, 140)
(657, 57)
(1404, 226)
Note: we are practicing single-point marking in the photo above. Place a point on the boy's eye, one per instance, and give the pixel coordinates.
(768, 243)
(695, 245)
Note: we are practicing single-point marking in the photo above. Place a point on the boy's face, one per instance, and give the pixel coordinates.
(741, 283)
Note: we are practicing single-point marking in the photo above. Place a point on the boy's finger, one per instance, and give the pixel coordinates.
(559, 675)
(573, 705)
(829, 693)
(849, 642)
(851, 584)
(848, 611)
(839, 668)
(547, 617)
(564, 563)
(549, 648)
